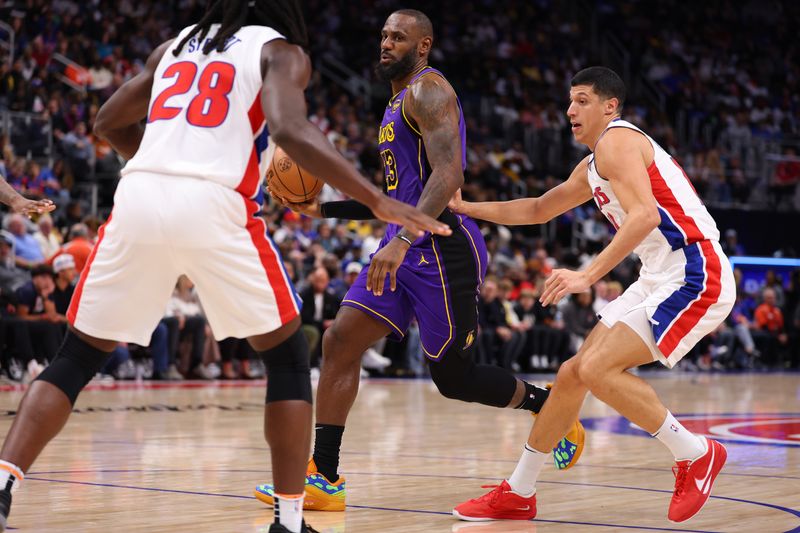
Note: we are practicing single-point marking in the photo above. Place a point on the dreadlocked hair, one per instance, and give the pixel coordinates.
(284, 16)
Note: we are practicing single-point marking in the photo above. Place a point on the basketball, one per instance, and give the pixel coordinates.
(288, 181)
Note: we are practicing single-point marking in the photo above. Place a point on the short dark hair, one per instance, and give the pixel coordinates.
(420, 18)
(42, 270)
(604, 81)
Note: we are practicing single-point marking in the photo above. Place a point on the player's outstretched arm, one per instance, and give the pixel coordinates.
(20, 204)
(288, 70)
(560, 199)
(119, 121)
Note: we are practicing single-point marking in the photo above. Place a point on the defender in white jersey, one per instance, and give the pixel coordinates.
(685, 290)
(189, 203)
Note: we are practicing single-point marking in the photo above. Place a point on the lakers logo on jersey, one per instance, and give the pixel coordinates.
(470, 339)
(387, 133)
(422, 260)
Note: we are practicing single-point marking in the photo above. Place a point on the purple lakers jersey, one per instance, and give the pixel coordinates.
(405, 163)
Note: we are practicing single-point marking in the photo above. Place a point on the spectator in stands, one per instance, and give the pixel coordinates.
(514, 347)
(185, 306)
(731, 245)
(320, 305)
(26, 247)
(78, 246)
(579, 318)
(65, 277)
(769, 319)
(11, 276)
(79, 150)
(48, 238)
(36, 308)
(240, 350)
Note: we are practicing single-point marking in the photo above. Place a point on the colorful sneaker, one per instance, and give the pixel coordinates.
(568, 450)
(693, 481)
(501, 503)
(321, 494)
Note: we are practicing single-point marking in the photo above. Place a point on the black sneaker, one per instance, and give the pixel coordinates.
(5, 508)
(280, 528)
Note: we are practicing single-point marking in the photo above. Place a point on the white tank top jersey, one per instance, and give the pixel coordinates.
(205, 118)
(684, 218)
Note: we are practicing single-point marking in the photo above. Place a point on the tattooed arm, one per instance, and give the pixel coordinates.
(431, 103)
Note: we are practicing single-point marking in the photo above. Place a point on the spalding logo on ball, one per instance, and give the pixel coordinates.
(287, 180)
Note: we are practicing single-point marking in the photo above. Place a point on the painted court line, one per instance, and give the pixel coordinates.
(365, 507)
(580, 484)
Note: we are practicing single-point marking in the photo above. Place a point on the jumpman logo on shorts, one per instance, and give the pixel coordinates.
(422, 260)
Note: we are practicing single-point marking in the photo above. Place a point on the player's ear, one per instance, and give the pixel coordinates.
(611, 106)
(424, 45)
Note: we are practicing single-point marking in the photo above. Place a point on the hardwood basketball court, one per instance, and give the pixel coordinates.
(186, 457)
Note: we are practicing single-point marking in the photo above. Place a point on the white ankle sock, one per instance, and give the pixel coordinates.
(9, 471)
(681, 442)
(523, 480)
(289, 511)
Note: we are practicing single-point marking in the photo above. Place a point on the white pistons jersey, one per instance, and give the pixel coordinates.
(205, 118)
(684, 218)
(686, 287)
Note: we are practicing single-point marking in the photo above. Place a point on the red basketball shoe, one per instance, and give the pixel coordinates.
(693, 480)
(499, 504)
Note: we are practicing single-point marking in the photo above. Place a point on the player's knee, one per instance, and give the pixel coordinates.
(74, 366)
(336, 348)
(452, 380)
(288, 370)
(591, 371)
(568, 373)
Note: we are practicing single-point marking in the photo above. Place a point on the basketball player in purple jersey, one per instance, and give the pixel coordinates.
(422, 142)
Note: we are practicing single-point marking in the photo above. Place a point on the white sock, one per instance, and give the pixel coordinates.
(289, 511)
(9, 472)
(681, 442)
(523, 480)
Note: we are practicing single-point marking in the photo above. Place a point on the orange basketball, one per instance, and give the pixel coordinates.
(287, 180)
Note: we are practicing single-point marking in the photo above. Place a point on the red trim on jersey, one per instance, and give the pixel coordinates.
(72, 312)
(666, 199)
(256, 114)
(271, 262)
(249, 184)
(697, 309)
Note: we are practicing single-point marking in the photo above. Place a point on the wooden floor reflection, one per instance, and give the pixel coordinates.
(186, 458)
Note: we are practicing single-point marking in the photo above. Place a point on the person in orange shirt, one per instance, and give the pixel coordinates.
(769, 318)
(79, 246)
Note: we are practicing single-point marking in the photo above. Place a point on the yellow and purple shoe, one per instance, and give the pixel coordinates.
(321, 494)
(568, 450)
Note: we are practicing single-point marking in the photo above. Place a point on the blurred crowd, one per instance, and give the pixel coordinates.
(723, 111)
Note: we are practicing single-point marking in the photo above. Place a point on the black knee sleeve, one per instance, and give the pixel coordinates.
(288, 371)
(74, 366)
(458, 377)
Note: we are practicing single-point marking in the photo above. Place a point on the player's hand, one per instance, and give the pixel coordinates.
(24, 206)
(411, 218)
(456, 204)
(562, 282)
(386, 261)
(309, 209)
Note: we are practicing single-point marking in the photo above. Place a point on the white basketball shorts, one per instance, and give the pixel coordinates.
(675, 308)
(164, 226)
